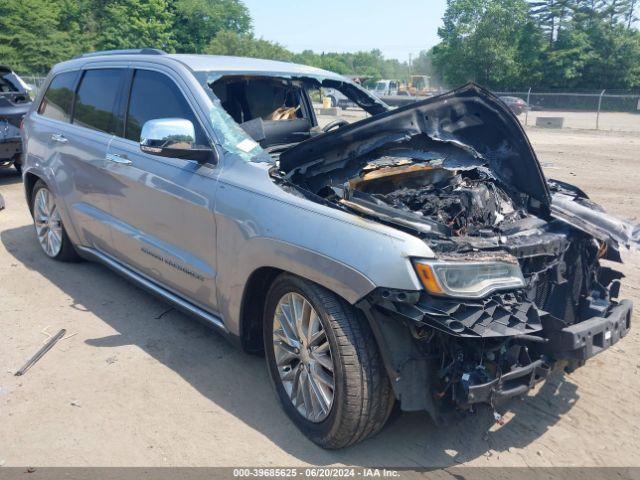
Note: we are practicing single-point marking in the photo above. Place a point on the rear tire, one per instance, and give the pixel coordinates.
(50, 231)
(362, 397)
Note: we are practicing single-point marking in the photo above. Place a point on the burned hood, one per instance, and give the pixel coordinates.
(469, 117)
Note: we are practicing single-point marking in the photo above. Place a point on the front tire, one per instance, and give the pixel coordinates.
(324, 364)
(50, 231)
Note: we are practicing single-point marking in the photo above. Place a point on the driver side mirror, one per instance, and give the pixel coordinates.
(173, 138)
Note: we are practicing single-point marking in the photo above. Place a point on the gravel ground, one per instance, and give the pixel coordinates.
(136, 383)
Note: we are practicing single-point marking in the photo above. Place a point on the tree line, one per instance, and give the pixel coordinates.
(570, 44)
(35, 34)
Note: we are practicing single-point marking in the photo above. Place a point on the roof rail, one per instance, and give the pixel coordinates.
(128, 51)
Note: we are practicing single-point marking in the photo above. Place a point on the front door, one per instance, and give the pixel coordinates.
(165, 227)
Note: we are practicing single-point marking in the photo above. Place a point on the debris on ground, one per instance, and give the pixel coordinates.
(40, 353)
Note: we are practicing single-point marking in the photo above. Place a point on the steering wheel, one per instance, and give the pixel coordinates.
(335, 124)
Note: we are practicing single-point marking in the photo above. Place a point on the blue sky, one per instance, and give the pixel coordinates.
(398, 28)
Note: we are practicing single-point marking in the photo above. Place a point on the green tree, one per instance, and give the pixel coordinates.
(31, 39)
(564, 65)
(551, 16)
(246, 45)
(78, 21)
(630, 12)
(133, 24)
(480, 41)
(369, 64)
(614, 53)
(530, 57)
(197, 22)
(577, 44)
(586, 13)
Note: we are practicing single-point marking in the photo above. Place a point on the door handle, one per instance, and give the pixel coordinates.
(119, 159)
(56, 137)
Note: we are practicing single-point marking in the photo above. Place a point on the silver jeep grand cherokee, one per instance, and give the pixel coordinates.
(417, 255)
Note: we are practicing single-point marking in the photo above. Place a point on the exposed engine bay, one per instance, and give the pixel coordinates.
(458, 171)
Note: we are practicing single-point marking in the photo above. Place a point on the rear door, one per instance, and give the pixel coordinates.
(165, 225)
(97, 116)
(51, 118)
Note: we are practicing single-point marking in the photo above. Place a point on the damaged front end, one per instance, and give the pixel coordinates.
(516, 286)
(14, 104)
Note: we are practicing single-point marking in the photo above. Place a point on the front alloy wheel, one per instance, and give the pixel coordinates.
(303, 357)
(324, 363)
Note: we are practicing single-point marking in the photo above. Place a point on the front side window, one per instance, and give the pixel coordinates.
(58, 98)
(154, 96)
(98, 100)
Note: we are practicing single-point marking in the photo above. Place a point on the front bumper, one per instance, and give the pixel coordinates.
(583, 340)
(574, 344)
(546, 343)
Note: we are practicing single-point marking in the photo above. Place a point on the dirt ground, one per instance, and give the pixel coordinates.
(136, 383)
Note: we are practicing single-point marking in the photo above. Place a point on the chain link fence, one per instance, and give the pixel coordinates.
(598, 110)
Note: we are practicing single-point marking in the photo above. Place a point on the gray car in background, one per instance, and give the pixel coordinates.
(516, 104)
(15, 102)
(418, 256)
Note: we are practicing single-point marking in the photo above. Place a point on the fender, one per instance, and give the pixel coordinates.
(259, 224)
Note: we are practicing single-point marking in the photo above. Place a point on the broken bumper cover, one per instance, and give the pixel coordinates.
(577, 342)
(585, 339)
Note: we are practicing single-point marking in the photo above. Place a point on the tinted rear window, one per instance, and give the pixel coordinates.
(98, 100)
(153, 96)
(58, 99)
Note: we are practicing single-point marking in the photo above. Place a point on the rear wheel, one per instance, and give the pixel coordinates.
(50, 231)
(324, 364)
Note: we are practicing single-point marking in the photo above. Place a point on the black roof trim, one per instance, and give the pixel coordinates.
(129, 51)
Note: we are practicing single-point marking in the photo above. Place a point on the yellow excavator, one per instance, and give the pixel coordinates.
(418, 85)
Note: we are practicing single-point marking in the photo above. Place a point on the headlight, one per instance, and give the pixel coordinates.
(468, 279)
